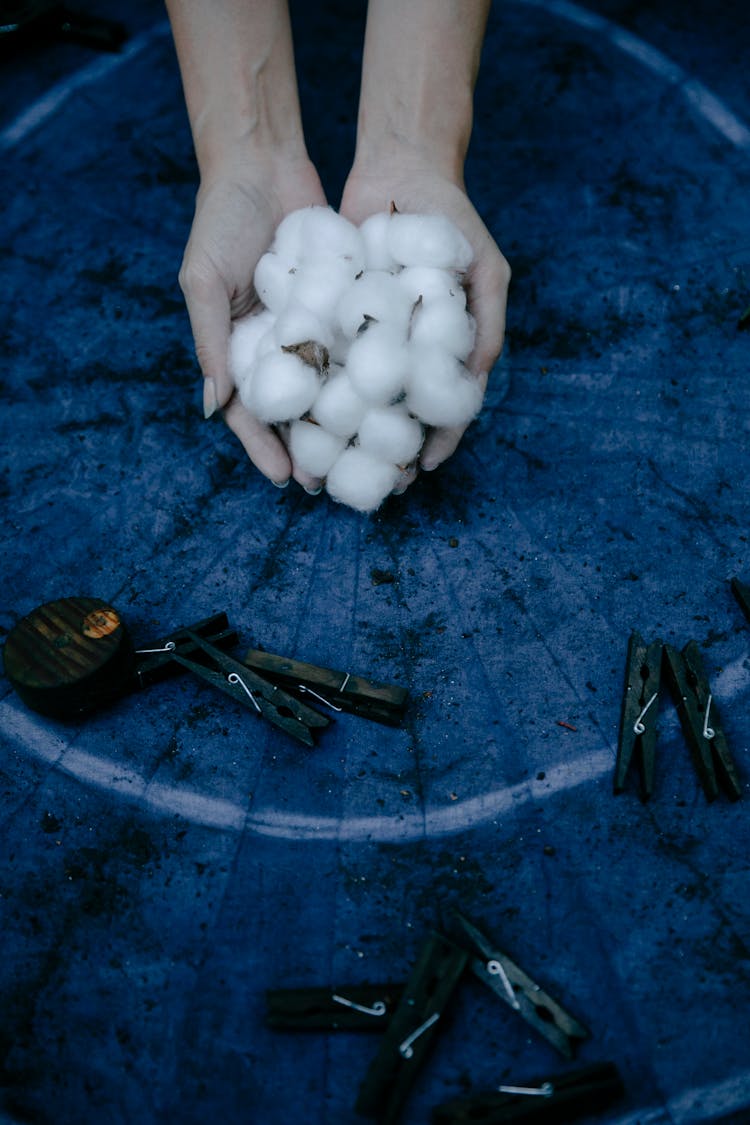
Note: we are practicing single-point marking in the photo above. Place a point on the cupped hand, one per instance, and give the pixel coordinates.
(413, 185)
(237, 212)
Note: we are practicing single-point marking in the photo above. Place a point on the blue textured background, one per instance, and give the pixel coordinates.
(166, 862)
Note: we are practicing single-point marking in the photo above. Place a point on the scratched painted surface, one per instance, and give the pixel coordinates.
(167, 861)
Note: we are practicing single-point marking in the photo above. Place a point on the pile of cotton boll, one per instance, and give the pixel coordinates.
(361, 344)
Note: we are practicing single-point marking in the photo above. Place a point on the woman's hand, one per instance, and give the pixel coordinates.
(415, 119)
(237, 213)
(238, 73)
(407, 179)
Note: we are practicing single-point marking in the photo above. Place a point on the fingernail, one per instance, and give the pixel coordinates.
(280, 483)
(314, 491)
(210, 402)
(428, 466)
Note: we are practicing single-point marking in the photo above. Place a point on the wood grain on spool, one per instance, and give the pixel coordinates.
(69, 656)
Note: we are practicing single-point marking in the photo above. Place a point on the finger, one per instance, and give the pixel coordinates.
(208, 307)
(263, 447)
(408, 476)
(311, 484)
(488, 295)
(439, 446)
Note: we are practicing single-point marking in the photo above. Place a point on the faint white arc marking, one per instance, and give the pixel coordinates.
(711, 108)
(53, 99)
(32, 737)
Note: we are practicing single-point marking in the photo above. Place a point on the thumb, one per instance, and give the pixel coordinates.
(208, 307)
(488, 293)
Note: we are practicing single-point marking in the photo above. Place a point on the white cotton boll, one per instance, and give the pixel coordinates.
(376, 294)
(374, 232)
(319, 285)
(244, 343)
(428, 240)
(297, 325)
(326, 234)
(378, 364)
(287, 242)
(339, 349)
(441, 392)
(431, 285)
(361, 480)
(273, 281)
(313, 449)
(282, 388)
(338, 408)
(444, 324)
(391, 434)
(267, 344)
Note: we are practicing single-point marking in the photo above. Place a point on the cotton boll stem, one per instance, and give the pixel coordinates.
(311, 353)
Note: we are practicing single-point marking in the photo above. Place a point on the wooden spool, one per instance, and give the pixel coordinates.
(69, 657)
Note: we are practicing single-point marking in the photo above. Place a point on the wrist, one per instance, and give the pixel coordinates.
(244, 148)
(237, 66)
(418, 78)
(385, 143)
(426, 126)
(252, 121)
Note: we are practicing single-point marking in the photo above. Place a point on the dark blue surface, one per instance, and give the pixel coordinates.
(166, 862)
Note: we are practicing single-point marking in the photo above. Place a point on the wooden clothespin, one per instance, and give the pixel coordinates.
(412, 1028)
(516, 988)
(341, 691)
(701, 725)
(640, 708)
(74, 656)
(742, 596)
(696, 708)
(553, 1099)
(154, 661)
(268, 701)
(358, 1007)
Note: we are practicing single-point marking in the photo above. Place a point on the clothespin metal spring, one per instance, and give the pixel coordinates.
(376, 1009)
(546, 1090)
(233, 678)
(495, 969)
(639, 726)
(406, 1049)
